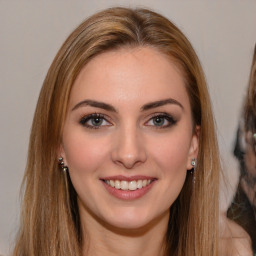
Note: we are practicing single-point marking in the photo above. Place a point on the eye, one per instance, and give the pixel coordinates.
(161, 121)
(94, 121)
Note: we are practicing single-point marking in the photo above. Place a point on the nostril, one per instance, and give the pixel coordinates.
(128, 163)
(129, 150)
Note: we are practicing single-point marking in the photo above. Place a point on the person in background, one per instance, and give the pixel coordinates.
(243, 207)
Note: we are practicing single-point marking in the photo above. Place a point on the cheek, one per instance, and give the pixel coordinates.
(171, 153)
(84, 153)
(170, 157)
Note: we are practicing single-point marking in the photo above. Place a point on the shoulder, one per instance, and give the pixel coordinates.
(234, 240)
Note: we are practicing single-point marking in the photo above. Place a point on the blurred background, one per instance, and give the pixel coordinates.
(31, 31)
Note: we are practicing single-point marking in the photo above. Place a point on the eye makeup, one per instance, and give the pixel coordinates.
(94, 121)
(99, 120)
(161, 120)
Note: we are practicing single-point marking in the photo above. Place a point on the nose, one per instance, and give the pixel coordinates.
(129, 150)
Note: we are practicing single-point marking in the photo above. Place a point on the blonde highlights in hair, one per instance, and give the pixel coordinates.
(50, 219)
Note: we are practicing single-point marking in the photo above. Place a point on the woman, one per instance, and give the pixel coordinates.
(123, 158)
(243, 208)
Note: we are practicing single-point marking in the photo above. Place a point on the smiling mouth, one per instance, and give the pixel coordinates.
(128, 188)
(129, 185)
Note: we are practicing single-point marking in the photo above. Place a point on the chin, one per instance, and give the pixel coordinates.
(134, 221)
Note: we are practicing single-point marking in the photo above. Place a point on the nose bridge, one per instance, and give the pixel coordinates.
(129, 149)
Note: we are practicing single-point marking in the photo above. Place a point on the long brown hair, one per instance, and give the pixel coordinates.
(50, 223)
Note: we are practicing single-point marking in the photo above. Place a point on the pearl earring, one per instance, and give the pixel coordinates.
(193, 163)
(62, 165)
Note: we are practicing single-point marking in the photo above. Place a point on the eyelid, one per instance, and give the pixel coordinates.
(172, 121)
(85, 118)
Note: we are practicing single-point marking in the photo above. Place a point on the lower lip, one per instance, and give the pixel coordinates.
(128, 194)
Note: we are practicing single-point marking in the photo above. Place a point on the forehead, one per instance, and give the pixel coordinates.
(129, 74)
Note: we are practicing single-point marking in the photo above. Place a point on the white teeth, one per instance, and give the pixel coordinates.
(112, 183)
(128, 185)
(139, 184)
(144, 183)
(117, 184)
(132, 185)
(124, 185)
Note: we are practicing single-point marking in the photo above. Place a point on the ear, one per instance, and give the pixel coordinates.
(194, 147)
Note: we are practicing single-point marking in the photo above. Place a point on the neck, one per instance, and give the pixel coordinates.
(100, 238)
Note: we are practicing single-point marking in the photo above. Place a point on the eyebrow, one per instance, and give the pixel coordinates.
(108, 107)
(160, 103)
(96, 104)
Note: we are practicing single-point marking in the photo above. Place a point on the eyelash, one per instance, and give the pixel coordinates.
(171, 121)
(84, 121)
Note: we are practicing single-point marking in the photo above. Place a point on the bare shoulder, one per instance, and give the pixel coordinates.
(234, 240)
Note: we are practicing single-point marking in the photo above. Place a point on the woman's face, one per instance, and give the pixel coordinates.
(128, 138)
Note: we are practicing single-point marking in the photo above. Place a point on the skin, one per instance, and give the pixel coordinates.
(128, 142)
(234, 239)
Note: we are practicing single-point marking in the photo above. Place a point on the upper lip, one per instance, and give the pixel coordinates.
(130, 178)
